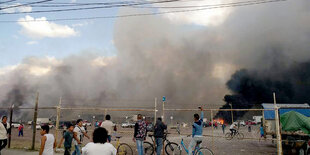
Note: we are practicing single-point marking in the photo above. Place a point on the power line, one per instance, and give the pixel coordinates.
(26, 4)
(85, 4)
(146, 14)
(198, 6)
(7, 1)
(91, 8)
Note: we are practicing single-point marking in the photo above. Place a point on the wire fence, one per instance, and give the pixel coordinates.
(217, 123)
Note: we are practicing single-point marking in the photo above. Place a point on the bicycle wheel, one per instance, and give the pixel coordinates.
(124, 149)
(240, 136)
(172, 149)
(228, 136)
(204, 151)
(148, 148)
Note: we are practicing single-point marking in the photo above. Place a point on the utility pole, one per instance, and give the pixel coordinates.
(155, 111)
(58, 118)
(279, 141)
(163, 116)
(34, 122)
(232, 113)
(11, 120)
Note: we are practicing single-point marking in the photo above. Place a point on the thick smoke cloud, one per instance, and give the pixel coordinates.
(188, 64)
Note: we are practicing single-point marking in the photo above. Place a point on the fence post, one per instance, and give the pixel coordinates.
(232, 113)
(163, 111)
(11, 120)
(105, 113)
(212, 145)
(34, 122)
(279, 141)
(57, 119)
(155, 110)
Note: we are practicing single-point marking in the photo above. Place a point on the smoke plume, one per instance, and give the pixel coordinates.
(188, 64)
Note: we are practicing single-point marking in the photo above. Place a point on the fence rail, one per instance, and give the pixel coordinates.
(214, 131)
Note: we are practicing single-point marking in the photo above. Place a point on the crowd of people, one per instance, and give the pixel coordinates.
(101, 138)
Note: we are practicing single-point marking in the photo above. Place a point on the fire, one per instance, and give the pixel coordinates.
(219, 120)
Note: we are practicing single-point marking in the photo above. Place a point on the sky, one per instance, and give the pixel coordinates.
(18, 41)
(63, 38)
(187, 57)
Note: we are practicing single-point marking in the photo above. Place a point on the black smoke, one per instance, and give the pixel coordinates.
(251, 88)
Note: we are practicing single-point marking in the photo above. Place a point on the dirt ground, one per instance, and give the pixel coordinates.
(218, 144)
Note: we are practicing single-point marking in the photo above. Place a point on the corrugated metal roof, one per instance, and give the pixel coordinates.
(301, 108)
(285, 105)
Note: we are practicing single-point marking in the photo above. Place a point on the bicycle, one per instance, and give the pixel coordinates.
(149, 147)
(231, 135)
(123, 148)
(177, 150)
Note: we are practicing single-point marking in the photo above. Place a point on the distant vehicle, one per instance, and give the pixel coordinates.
(15, 125)
(86, 123)
(51, 126)
(43, 120)
(249, 122)
(128, 125)
(38, 127)
(29, 122)
(64, 124)
(242, 123)
(257, 119)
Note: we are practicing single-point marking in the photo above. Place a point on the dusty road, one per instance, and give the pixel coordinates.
(217, 144)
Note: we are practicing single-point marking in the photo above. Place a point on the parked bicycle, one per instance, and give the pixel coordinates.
(123, 148)
(149, 148)
(231, 135)
(177, 150)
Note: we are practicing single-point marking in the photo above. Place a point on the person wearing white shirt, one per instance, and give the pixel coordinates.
(99, 146)
(4, 131)
(108, 125)
(233, 128)
(78, 133)
(48, 142)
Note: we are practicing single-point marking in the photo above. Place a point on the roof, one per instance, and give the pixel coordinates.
(301, 108)
(285, 105)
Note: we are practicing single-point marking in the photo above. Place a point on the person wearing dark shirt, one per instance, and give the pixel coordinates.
(159, 134)
(67, 136)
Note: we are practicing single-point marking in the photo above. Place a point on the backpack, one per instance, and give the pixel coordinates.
(142, 129)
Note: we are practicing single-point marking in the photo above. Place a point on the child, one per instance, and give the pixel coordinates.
(48, 142)
(68, 137)
(21, 130)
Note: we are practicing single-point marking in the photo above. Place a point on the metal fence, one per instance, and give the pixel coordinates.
(216, 129)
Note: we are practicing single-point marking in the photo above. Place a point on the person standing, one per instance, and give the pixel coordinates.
(196, 132)
(48, 142)
(223, 128)
(262, 133)
(21, 130)
(78, 133)
(249, 127)
(108, 125)
(139, 134)
(160, 127)
(99, 146)
(4, 131)
(96, 124)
